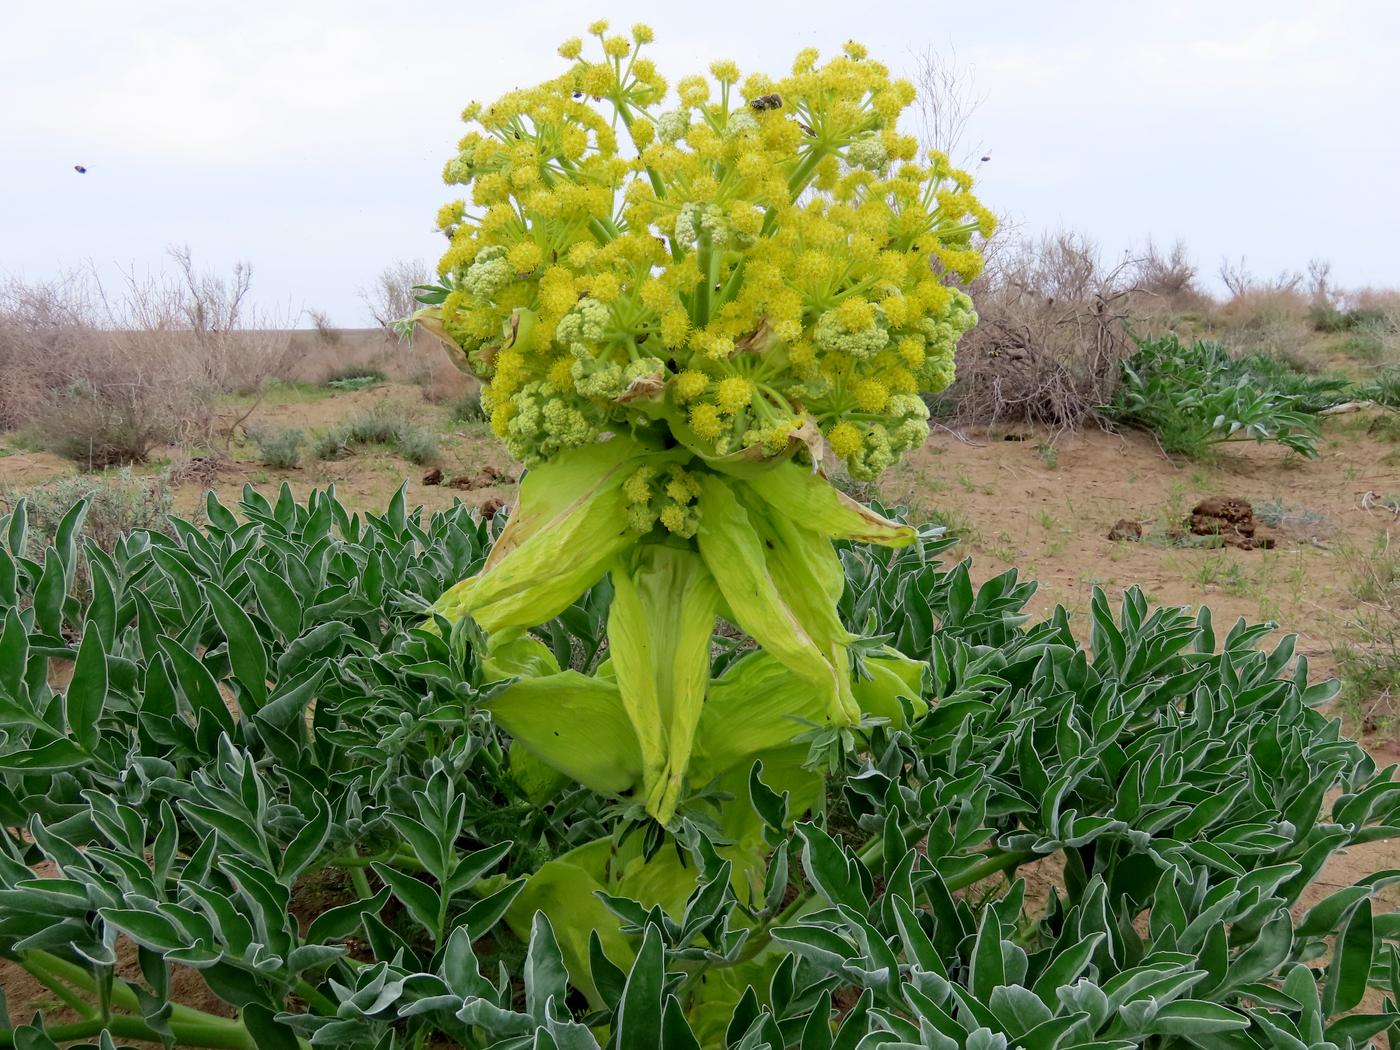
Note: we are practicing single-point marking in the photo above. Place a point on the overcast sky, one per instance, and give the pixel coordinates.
(307, 137)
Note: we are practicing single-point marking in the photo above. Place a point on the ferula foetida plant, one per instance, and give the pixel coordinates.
(684, 305)
(742, 264)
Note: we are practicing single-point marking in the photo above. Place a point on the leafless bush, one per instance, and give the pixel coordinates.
(946, 100)
(90, 388)
(390, 297)
(104, 375)
(1320, 290)
(241, 346)
(1376, 300)
(38, 322)
(1169, 277)
(1242, 284)
(324, 327)
(1050, 340)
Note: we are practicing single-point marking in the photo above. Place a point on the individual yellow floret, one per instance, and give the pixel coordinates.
(675, 325)
(724, 70)
(524, 256)
(682, 487)
(871, 395)
(560, 373)
(673, 517)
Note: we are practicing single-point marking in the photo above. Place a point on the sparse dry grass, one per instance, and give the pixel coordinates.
(1370, 662)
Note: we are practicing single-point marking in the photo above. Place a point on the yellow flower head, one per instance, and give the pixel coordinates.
(637, 488)
(844, 439)
(733, 394)
(705, 421)
(735, 269)
(691, 384)
(724, 71)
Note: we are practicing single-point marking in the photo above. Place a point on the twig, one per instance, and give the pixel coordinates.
(965, 440)
(1348, 406)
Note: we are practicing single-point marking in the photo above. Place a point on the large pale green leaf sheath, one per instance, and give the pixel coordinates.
(576, 724)
(571, 522)
(659, 629)
(808, 498)
(777, 618)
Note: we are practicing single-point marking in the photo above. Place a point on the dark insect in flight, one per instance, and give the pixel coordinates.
(766, 102)
(80, 169)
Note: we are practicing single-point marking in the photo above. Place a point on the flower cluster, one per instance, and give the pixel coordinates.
(662, 497)
(761, 268)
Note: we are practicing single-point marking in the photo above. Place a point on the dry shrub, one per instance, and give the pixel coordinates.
(318, 361)
(1385, 301)
(391, 297)
(118, 503)
(240, 347)
(104, 376)
(1166, 281)
(439, 379)
(93, 391)
(1050, 339)
(39, 323)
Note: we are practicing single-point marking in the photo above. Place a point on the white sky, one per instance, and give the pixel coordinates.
(308, 136)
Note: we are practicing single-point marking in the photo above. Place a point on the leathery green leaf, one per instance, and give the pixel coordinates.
(511, 655)
(575, 724)
(807, 573)
(87, 692)
(566, 889)
(891, 675)
(811, 500)
(735, 555)
(571, 521)
(756, 706)
(663, 613)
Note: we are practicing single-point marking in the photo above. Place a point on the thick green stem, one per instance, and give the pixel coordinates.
(802, 174)
(312, 997)
(65, 994)
(227, 1035)
(704, 287)
(123, 996)
(360, 881)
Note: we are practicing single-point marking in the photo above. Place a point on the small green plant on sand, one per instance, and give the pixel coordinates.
(1196, 398)
(278, 447)
(383, 426)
